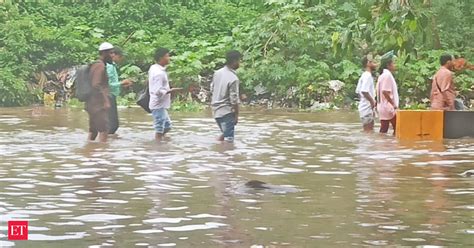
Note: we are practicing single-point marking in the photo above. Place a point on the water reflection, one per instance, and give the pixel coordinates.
(350, 189)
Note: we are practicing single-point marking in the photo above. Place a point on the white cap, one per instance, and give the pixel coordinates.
(105, 46)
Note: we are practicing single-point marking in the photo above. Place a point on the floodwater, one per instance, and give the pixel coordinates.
(352, 189)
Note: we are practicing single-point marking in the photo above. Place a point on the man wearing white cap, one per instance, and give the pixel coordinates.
(98, 103)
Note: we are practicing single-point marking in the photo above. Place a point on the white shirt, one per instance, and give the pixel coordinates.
(159, 86)
(366, 84)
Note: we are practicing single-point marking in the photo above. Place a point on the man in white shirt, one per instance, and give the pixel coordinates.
(366, 90)
(160, 93)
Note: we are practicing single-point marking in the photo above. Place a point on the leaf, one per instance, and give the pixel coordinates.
(400, 41)
(412, 25)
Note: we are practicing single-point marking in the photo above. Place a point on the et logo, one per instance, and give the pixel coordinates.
(17, 230)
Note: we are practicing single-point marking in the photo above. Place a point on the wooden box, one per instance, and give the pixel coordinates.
(420, 124)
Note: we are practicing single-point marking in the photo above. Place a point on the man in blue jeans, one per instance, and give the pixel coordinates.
(225, 96)
(160, 93)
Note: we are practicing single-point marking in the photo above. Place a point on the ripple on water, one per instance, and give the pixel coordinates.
(396, 227)
(207, 225)
(69, 223)
(176, 208)
(165, 220)
(377, 242)
(414, 239)
(111, 201)
(68, 236)
(4, 243)
(107, 227)
(148, 231)
(332, 172)
(202, 216)
(167, 245)
(101, 217)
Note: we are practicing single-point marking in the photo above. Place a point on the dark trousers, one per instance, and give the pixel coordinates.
(113, 115)
(385, 124)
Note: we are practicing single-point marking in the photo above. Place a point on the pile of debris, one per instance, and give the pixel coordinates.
(57, 86)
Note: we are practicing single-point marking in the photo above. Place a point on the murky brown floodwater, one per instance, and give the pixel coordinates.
(355, 190)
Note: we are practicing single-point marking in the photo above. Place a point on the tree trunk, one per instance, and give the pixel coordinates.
(436, 39)
(434, 27)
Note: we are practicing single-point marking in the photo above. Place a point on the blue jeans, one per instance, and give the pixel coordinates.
(161, 120)
(227, 126)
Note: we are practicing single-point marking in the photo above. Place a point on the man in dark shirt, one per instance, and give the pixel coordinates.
(98, 104)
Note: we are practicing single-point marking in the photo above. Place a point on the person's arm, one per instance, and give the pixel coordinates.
(160, 81)
(97, 71)
(369, 98)
(174, 90)
(234, 98)
(386, 94)
(450, 82)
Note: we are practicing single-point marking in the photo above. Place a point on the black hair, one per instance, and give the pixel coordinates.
(117, 51)
(364, 61)
(384, 64)
(105, 51)
(160, 53)
(232, 56)
(445, 58)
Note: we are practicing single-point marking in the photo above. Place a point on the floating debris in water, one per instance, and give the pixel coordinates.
(468, 173)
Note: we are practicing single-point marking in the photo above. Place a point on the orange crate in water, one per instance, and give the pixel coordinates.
(420, 124)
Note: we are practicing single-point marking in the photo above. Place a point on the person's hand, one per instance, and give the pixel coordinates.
(373, 105)
(127, 83)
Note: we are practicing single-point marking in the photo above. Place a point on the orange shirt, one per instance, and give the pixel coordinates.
(442, 90)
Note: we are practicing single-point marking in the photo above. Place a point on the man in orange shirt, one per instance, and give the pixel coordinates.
(442, 88)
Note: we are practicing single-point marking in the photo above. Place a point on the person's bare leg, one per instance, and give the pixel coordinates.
(92, 136)
(368, 128)
(394, 125)
(220, 138)
(159, 137)
(103, 137)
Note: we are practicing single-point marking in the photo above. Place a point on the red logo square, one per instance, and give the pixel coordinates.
(17, 230)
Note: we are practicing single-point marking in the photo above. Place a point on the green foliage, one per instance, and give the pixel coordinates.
(13, 90)
(292, 47)
(127, 100)
(74, 103)
(187, 106)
